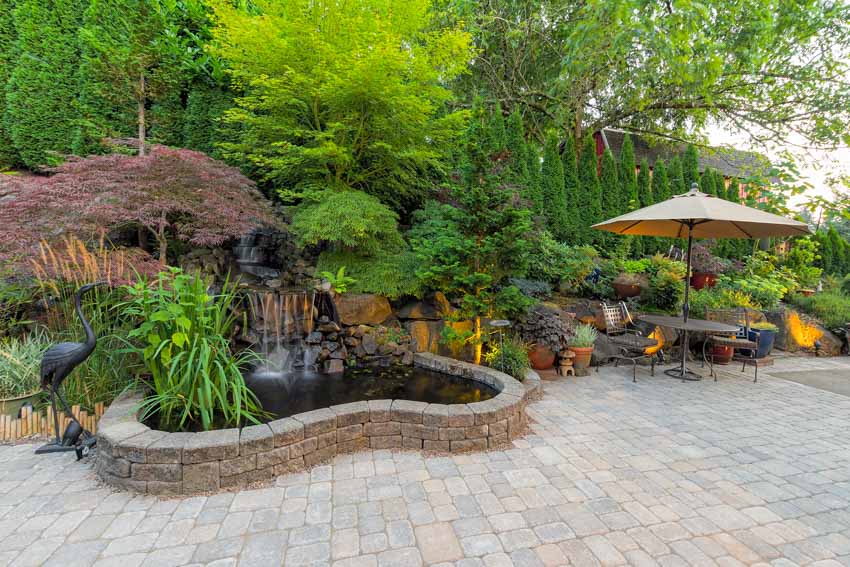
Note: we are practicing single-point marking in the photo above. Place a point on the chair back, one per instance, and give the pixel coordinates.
(738, 316)
(617, 318)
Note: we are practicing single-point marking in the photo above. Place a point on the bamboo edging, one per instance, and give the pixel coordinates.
(40, 424)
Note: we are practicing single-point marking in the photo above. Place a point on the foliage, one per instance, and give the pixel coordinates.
(718, 298)
(703, 260)
(764, 326)
(20, 360)
(537, 289)
(517, 149)
(661, 189)
(845, 285)
(16, 298)
(8, 152)
(571, 189)
(666, 290)
(171, 194)
(611, 197)
(40, 111)
(766, 292)
(677, 176)
(664, 68)
(558, 263)
(183, 339)
(338, 281)
(341, 94)
(584, 336)
(554, 193)
(389, 274)
(640, 266)
(352, 220)
(203, 128)
(800, 261)
(543, 325)
(470, 248)
(510, 357)
(832, 309)
(589, 202)
(626, 171)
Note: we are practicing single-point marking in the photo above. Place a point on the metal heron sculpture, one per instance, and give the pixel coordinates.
(56, 364)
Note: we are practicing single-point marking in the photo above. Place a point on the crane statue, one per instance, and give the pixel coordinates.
(56, 364)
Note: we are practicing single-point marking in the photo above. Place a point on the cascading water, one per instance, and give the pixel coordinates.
(253, 254)
(284, 320)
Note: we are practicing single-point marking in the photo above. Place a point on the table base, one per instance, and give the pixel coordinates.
(686, 375)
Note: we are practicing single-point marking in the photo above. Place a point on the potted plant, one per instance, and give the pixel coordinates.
(705, 267)
(581, 344)
(722, 354)
(19, 378)
(546, 331)
(764, 333)
(633, 279)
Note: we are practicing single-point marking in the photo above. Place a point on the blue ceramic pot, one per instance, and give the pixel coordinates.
(765, 339)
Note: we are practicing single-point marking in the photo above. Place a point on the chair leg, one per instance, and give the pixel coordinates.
(756, 378)
(634, 370)
(652, 365)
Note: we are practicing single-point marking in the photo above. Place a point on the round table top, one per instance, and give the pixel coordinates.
(697, 325)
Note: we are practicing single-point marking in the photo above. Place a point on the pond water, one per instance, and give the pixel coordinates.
(296, 392)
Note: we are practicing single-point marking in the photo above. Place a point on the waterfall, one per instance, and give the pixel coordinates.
(253, 254)
(284, 320)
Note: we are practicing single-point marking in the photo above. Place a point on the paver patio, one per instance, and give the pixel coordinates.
(611, 473)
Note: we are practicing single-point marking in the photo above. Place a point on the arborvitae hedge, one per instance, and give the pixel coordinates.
(8, 152)
(554, 198)
(690, 166)
(533, 193)
(628, 175)
(590, 205)
(41, 110)
(706, 183)
(676, 176)
(610, 196)
(498, 136)
(515, 141)
(644, 245)
(660, 182)
(571, 188)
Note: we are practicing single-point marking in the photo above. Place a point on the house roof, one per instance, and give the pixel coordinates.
(730, 162)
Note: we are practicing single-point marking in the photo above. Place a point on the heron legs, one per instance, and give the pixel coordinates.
(55, 415)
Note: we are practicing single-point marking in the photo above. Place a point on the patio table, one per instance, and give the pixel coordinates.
(689, 326)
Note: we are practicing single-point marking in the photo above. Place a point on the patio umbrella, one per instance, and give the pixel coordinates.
(698, 215)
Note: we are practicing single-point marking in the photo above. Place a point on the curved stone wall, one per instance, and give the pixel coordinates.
(133, 456)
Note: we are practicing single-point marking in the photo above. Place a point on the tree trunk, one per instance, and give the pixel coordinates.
(141, 107)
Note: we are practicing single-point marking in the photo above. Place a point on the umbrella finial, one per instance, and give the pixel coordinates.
(694, 186)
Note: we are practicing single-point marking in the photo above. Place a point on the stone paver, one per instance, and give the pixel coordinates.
(611, 473)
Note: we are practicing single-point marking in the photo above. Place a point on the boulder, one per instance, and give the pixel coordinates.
(369, 344)
(432, 308)
(425, 335)
(362, 308)
(798, 332)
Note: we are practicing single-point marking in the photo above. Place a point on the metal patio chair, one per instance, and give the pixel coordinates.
(739, 317)
(624, 335)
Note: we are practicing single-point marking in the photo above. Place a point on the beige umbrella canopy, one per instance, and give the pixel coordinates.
(698, 215)
(709, 217)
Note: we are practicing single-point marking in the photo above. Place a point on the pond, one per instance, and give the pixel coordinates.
(296, 392)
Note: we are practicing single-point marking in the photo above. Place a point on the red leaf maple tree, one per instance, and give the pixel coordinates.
(168, 193)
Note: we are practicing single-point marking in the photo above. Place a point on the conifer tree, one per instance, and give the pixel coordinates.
(706, 182)
(8, 152)
(690, 166)
(660, 182)
(42, 90)
(202, 124)
(498, 136)
(644, 245)
(611, 201)
(628, 175)
(676, 176)
(590, 202)
(516, 145)
(554, 198)
(533, 193)
(839, 252)
(571, 187)
(826, 252)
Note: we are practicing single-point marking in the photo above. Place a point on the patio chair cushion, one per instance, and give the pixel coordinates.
(733, 342)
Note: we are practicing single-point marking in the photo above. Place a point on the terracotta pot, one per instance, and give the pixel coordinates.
(541, 357)
(722, 354)
(625, 291)
(700, 280)
(582, 358)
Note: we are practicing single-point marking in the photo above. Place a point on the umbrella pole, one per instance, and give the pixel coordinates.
(686, 306)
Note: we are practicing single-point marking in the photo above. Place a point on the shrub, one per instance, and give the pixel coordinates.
(800, 260)
(666, 291)
(533, 288)
(845, 285)
(543, 325)
(559, 264)
(16, 299)
(717, 298)
(766, 293)
(352, 220)
(832, 309)
(338, 281)
(512, 359)
(392, 275)
(183, 340)
(703, 260)
(20, 360)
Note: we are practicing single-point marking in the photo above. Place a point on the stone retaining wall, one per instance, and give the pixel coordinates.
(133, 456)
